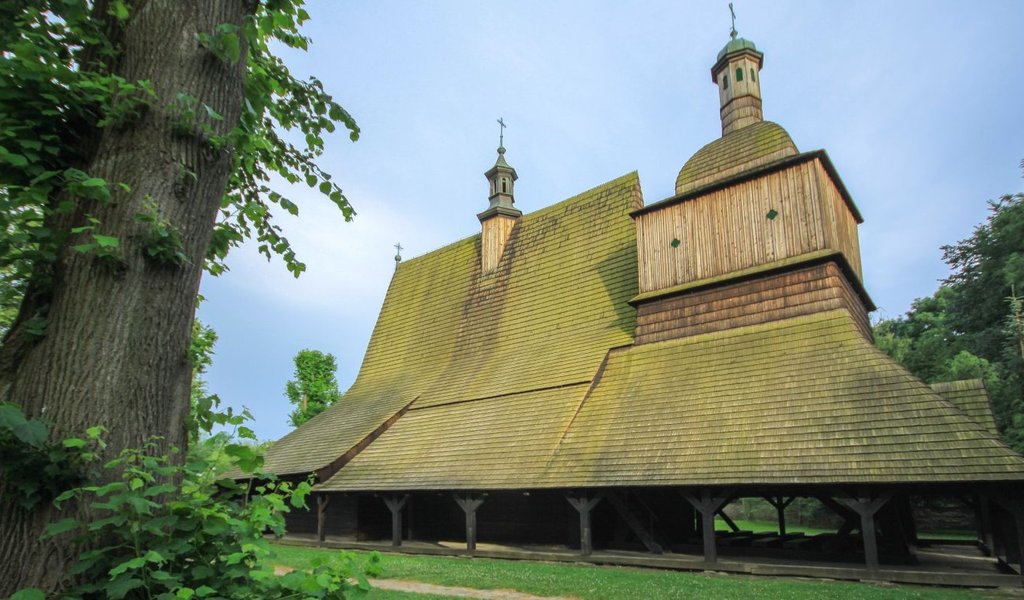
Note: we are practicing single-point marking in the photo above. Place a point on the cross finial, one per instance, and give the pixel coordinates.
(501, 136)
(732, 33)
(398, 255)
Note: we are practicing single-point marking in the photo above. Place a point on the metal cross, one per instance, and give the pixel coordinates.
(501, 138)
(398, 247)
(732, 33)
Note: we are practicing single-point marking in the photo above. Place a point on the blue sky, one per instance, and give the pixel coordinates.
(918, 105)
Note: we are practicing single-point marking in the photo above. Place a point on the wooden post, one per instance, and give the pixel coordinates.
(469, 504)
(707, 505)
(321, 517)
(395, 504)
(866, 507)
(1016, 512)
(583, 505)
(983, 514)
(728, 521)
(780, 503)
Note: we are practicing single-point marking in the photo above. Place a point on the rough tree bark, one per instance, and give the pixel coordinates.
(115, 349)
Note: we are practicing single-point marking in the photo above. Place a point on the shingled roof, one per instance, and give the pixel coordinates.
(742, 150)
(802, 401)
(447, 334)
(971, 397)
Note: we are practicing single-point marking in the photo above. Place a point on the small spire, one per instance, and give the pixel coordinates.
(398, 254)
(732, 33)
(501, 136)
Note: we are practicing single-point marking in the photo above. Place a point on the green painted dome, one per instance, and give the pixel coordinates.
(735, 45)
(735, 153)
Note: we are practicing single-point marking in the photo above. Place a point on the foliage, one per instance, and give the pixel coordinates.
(314, 387)
(33, 466)
(58, 89)
(159, 529)
(971, 327)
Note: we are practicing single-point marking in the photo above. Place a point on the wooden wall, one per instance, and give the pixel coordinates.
(782, 295)
(496, 231)
(728, 230)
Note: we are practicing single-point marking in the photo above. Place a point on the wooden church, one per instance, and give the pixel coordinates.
(605, 375)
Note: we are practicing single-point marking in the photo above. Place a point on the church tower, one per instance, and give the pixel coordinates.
(737, 72)
(501, 216)
(757, 231)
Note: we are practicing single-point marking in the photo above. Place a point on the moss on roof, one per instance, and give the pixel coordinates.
(545, 318)
(970, 396)
(802, 401)
(735, 153)
(497, 443)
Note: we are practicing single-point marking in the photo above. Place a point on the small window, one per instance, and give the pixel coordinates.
(504, 185)
(752, 76)
(725, 81)
(739, 75)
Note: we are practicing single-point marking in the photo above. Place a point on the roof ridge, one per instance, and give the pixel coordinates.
(632, 175)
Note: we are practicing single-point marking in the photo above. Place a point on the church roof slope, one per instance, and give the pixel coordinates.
(495, 443)
(806, 400)
(970, 396)
(742, 150)
(446, 333)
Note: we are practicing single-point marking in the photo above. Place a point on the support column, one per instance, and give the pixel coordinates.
(322, 500)
(983, 514)
(707, 505)
(584, 503)
(866, 507)
(780, 503)
(469, 503)
(1016, 512)
(395, 504)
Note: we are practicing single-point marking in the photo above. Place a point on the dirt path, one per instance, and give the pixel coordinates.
(418, 587)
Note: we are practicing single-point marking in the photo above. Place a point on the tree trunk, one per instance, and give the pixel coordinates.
(115, 349)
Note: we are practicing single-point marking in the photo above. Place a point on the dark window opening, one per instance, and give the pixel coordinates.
(725, 81)
(752, 77)
(739, 75)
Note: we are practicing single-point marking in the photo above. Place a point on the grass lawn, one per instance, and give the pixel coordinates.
(591, 582)
(756, 526)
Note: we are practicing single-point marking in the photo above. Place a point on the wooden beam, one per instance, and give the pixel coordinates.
(866, 507)
(707, 505)
(583, 504)
(395, 504)
(620, 506)
(321, 517)
(850, 518)
(1016, 511)
(469, 503)
(780, 503)
(728, 521)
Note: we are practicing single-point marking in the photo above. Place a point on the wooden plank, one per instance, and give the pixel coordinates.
(646, 537)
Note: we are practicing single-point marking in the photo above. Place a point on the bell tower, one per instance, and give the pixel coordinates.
(737, 73)
(501, 216)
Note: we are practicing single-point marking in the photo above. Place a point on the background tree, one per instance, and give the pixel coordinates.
(137, 139)
(314, 388)
(972, 326)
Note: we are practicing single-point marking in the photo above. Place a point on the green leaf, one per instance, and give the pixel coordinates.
(29, 594)
(31, 432)
(62, 526)
(106, 241)
(120, 587)
(94, 182)
(74, 443)
(11, 416)
(185, 593)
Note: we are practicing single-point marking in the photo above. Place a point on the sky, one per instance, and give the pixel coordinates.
(918, 105)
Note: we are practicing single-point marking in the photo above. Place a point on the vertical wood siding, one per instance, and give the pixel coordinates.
(729, 230)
